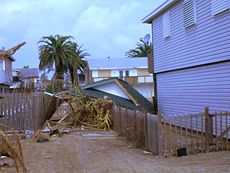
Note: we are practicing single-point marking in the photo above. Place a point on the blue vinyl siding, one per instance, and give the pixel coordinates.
(206, 42)
(190, 90)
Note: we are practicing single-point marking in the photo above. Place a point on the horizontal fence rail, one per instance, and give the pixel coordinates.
(25, 111)
(204, 132)
(169, 135)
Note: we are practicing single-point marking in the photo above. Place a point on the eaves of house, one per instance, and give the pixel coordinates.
(166, 5)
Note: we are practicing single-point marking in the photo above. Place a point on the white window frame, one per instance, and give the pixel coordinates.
(219, 6)
(166, 25)
(133, 72)
(95, 73)
(185, 18)
(141, 79)
(4, 65)
(114, 73)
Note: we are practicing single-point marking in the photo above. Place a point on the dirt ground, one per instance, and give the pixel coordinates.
(97, 152)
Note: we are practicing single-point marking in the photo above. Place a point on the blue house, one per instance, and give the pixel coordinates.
(191, 67)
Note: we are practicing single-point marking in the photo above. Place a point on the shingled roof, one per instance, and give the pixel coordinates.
(120, 92)
(29, 72)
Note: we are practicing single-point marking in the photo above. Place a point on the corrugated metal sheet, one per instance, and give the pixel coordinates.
(207, 41)
(190, 90)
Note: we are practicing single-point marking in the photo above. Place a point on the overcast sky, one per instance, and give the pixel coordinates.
(104, 27)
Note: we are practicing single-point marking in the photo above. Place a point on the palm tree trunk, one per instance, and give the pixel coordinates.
(59, 79)
(75, 68)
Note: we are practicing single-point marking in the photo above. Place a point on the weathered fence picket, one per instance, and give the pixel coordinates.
(202, 132)
(139, 127)
(27, 111)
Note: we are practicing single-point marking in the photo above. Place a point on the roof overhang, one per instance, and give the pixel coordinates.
(149, 18)
(120, 68)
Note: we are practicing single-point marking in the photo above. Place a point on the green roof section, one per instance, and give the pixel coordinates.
(136, 102)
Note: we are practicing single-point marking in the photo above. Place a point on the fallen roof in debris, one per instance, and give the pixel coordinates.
(120, 92)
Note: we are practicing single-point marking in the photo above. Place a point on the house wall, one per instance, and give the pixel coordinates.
(206, 42)
(104, 73)
(138, 78)
(6, 76)
(4, 89)
(146, 90)
(142, 72)
(190, 90)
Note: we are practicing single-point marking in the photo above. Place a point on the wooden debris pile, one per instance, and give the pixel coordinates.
(89, 112)
(10, 147)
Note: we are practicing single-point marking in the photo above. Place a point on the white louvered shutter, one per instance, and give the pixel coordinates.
(219, 6)
(166, 24)
(189, 13)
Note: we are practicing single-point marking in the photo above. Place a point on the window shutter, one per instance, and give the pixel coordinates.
(219, 6)
(166, 24)
(189, 13)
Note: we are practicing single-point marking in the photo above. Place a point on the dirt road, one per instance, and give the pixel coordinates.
(81, 152)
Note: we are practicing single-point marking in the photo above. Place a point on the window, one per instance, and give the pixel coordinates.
(114, 73)
(166, 24)
(121, 74)
(141, 79)
(133, 72)
(2, 65)
(94, 73)
(127, 73)
(189, 13)
(219, 6)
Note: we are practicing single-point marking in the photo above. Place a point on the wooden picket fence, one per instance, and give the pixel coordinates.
(204, 132)
(129, 123)
(25, 111)
(139, 127)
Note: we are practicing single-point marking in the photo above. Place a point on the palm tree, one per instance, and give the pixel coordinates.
(80, 63)
(141, 50)
(56, 51)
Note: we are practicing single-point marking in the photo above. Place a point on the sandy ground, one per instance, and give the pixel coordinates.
(81, 152)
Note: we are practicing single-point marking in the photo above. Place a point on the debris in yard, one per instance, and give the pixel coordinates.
(93, 113)
(12, 149)
(55, 128)
(29, 134)
(182, 152)
(2, 157)
(4, 164)
(147, 152)
(46, 130)
(42, 137)
(167, 154)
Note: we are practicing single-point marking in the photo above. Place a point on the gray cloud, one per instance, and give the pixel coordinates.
(105, 28)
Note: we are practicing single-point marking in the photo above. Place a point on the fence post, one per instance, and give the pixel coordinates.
(208, 129)
(146, 130)
(159, 142)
